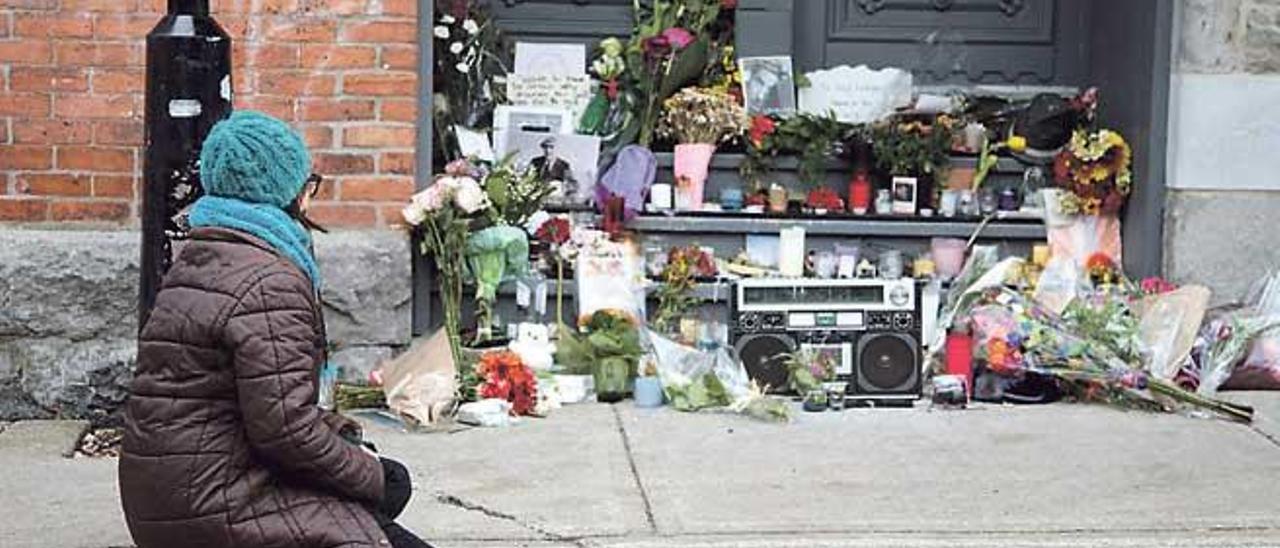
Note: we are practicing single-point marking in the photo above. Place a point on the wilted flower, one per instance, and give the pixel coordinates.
(441, 32)
(471, 27)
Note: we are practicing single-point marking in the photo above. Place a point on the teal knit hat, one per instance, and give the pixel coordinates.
(256, 158)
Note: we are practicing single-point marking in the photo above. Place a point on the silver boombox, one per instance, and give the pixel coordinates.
(870, 328)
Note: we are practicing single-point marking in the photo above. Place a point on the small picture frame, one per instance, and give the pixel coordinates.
(769, 85)
(904, 195)
(567, 162)
(509, 119)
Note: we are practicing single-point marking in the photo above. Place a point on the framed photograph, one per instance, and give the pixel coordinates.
(568, 162)
(768, 85)
(904, 195)
(508, 119)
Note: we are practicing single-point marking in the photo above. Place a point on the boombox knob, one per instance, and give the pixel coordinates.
(749, 322)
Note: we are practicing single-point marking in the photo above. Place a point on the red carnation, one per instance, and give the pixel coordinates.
(761, 126)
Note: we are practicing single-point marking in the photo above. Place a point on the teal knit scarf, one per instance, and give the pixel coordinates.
(269, 223)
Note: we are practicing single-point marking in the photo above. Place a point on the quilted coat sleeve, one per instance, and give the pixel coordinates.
(273, 336)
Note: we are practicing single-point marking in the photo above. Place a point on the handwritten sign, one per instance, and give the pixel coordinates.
(857, 95)
(571, 93)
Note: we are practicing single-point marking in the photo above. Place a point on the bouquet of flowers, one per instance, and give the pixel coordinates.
(684, 266)
(555, 233)
(913, 148)
(468, 53)
(1092, 349)
(1093, 171)
(516, 194)
(444, 213)
(502, 375)
(674, 45)
(704, 116)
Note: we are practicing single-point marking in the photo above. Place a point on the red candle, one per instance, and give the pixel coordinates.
(959, 352)
(860, 193)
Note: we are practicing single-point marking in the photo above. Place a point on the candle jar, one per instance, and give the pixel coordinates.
(777, 199)
(731, 198)
(860, 194)
(891, 266)
(968, 204)
(884, 203)
(1008, 200)
(988, 201)
(950, 203)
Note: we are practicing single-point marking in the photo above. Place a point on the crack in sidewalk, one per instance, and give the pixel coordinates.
(635, 472)
(458, 502)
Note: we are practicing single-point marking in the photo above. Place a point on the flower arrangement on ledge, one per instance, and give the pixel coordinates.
(699, 119)
(468, 54)
(679, 277)
(1093, 171)
(675, 44)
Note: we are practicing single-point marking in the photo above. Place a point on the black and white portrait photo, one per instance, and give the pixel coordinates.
(768, 85)
(567, 161)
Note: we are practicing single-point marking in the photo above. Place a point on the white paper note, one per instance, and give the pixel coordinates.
(564, 59)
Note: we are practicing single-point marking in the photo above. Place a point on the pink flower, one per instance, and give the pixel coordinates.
(459, 168)
(678, 38)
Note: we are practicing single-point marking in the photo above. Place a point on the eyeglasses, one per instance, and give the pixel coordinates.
(313, 184)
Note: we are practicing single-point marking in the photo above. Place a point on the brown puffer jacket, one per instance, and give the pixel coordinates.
(224, 445)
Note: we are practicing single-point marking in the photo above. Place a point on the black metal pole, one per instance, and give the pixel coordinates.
(188, 91)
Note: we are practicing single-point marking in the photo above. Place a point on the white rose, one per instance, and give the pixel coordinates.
(455, 48)
(470, 198)
(441, 32)
(414, 214)
(471, 27)
(462, 67)
(447, 19)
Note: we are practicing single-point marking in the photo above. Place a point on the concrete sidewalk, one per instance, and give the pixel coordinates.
(614, 476)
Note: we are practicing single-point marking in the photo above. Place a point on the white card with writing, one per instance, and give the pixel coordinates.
(856, 95)
(562, 59)
(571, 93)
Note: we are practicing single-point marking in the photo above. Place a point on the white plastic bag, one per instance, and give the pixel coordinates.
(680, 366)
(1059, 284)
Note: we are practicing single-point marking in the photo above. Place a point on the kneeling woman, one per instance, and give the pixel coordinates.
(224, 443)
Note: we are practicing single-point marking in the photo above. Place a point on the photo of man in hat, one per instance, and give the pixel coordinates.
(551, 167)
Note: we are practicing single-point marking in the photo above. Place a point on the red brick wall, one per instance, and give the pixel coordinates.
(343, 71)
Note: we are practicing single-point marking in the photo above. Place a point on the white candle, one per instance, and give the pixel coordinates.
(791, 252)
(660, 196)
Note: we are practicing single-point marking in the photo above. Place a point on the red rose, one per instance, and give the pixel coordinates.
(761, 126)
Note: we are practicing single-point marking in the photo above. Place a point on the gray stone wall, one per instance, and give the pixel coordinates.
(68, 320)
(1224, 178)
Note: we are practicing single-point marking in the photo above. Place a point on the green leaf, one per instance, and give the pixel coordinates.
(686, 68)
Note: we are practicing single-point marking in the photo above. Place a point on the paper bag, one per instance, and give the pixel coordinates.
(421, 384)
(1168, 327)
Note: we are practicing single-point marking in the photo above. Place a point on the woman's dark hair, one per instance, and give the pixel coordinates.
(295, 208)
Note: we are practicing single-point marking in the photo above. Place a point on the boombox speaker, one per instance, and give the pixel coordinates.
(887, 366)
(764, 355)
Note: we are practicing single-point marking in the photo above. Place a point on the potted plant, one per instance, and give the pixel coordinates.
(915, 154)
(698, 119)
(608, 347)
(807, 369)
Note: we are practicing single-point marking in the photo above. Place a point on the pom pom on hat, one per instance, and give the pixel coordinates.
(256, 158)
